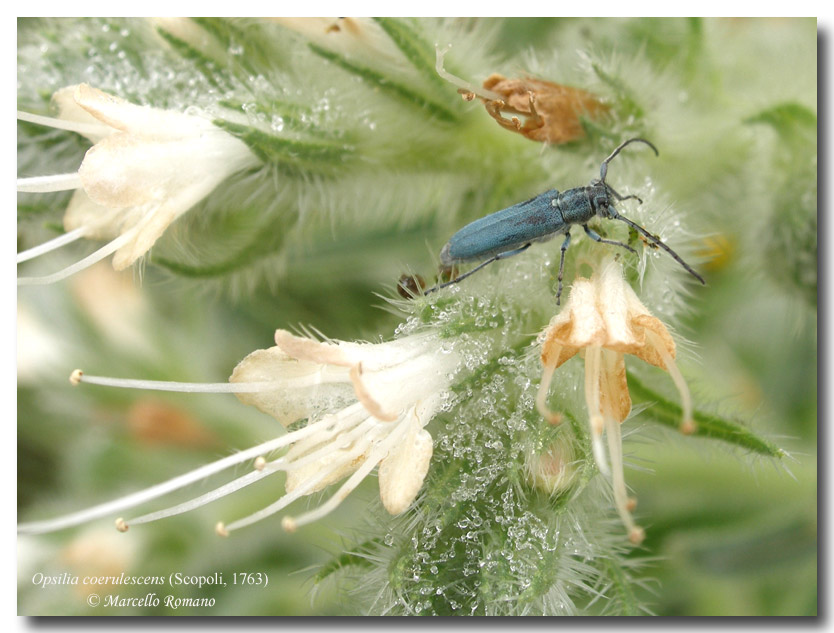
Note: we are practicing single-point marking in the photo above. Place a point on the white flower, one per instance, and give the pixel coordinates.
(362, 38)
(366, 405)
(146, 168)
(396, 388)
(603, 319)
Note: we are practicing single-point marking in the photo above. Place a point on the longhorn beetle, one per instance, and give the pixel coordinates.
(512, 230)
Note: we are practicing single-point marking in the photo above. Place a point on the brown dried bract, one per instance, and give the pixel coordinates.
(410, 286)
(551, 110)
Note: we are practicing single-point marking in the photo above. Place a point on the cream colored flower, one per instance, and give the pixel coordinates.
(390, 391)
(146, 168)
(361, 38)
(604, 320)
(366, 405)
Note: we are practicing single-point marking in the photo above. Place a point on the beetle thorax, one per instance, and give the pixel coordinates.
(599, 198)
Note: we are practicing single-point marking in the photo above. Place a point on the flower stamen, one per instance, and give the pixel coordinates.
(467, 89)
(541, 398)
(85, 129)
(49, 184)
(688, 425)
(299, 379)
(204, 499)
(593, 356)
(284, 501)
(88, 261)
(290, 524)
(622, 502)
(51, 245)
(79, 376)
(164, 488)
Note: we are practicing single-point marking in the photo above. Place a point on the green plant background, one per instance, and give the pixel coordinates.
(317, 239)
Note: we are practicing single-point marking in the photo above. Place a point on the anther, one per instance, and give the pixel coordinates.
(260, 464)
(220, 529)
(636, 535)
(631, 504)
(75, 377)
(554, 418)
(289, 525)
(688, 426)
(121, 525)
(362, 394)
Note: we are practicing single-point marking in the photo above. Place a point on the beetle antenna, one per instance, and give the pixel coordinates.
(603, 169)
(656, 240)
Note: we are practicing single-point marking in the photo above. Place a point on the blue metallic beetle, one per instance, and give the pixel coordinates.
(512, 230)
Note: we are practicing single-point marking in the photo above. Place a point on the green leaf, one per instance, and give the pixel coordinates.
(295, 117)
(788, 119)
(353, 558)
(204, 64)
(621, 587)
(298, 155)
(792, 228)
(414, 47)
(388, 86)
(708, 425)
(227, 34)
(627, 106)
(266, 241)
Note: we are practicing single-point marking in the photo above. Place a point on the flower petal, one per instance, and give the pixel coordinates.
(402, 472)
(69, 110)
(648, 352)
(615, 401)
(99, 222)
(288, 403)
(307, 349)
(145, 120)
(298, 476)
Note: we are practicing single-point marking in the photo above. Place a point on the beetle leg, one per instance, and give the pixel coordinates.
(594, 236)
(494, 258)
(564, 248)
(621, 197)
(659, 243)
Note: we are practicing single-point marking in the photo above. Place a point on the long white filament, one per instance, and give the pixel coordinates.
(49, 184)
(277, 465)
(241, 482)
(345, 439)
(85, 129)
(51, 245)
(687, 423)
(283, 502)
(88, 261)
(212, 495)
(483, 93)
(379, 453)
(123, 503)
(345, 420)
(593, 358)
(541, 397)
(309, 484)
(615, 449)
(195, 387)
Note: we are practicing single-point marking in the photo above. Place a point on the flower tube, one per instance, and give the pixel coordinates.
(366, 405)
(146, 168)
